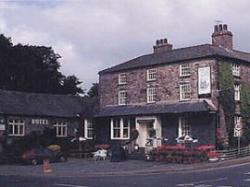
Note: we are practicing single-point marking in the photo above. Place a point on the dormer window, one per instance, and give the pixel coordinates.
(185, 70)
(151, 74)
(236, 70)
(122, 79)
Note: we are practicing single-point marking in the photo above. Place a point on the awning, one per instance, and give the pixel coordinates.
(174, 108)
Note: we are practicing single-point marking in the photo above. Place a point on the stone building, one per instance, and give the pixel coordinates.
(174, 93)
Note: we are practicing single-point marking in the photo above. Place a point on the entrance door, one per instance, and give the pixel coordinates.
(144, 132)
(143, 125)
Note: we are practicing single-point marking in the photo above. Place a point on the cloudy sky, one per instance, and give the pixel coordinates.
(92, 35)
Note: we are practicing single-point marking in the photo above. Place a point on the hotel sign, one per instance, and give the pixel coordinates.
(204, 80)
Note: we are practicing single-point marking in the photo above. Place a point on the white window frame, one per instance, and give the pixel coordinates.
(122, 97)
(39, 121)
(121, 127)
(16, 124)
(151, 94)
(237, 120)
(184, 121)
(237, 92)
(59, 129)
(88, 126)
(185, 91)
(185, 70)
(151, 74)
(122, 79)
(236, 70)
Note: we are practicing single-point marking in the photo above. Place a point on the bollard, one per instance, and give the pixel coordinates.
(46, 166)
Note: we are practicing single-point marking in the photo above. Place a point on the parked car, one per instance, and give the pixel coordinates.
(37, 155)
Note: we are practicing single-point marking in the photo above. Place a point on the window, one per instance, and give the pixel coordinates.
(151, 74)
(88, 129)
(185, 70)
(122, 78)
(16, 127)
(122, 97)
(184, 127)
(61, 129)
(237, 121)
(39, 121)
(237, 92)
(120, 128)
(185, 91)
(151, 95)
(236, 70)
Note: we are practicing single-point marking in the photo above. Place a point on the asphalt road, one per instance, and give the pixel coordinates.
(236, 176)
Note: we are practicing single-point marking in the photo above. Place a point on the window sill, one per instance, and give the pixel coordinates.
(15, 134)
(119, 138)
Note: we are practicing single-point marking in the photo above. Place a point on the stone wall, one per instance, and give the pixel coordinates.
(167, 84)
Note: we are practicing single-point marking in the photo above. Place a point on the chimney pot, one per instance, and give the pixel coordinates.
(225, 27)
(162, 45)
(222, 37)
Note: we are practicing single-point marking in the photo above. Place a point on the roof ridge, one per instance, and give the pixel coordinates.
(40, 94)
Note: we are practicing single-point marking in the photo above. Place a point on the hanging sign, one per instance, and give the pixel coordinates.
(204, 80)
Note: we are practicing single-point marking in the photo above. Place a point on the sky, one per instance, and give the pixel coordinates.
(92, 35)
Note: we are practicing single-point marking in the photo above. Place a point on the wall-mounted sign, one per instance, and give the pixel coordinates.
(204, 80)
(2, 127)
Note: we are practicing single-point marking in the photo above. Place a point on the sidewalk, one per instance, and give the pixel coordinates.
(90, 168)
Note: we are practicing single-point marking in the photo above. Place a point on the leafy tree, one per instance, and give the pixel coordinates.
(33, 69)
(70, 85)
(93, 91)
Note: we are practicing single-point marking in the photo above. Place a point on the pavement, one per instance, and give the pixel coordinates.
(90, 168)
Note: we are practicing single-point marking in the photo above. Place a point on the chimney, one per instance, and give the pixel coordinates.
(162, 45)
(222, 37)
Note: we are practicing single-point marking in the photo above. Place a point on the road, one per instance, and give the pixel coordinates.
(235, 176)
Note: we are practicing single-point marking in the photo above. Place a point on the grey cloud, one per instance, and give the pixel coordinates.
(93, 35)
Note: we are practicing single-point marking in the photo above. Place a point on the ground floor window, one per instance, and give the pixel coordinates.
(61, 129)
(88, 129)
(16, 127)
(184, 127)
(120, 128)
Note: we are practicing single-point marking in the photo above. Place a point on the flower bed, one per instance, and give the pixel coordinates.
(180, 154)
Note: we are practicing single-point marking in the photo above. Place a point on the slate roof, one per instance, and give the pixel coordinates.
(176, 55)
(174, 108)
(32, 104)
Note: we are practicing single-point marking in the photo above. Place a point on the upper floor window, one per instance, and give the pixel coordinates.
(122, 97)
(88, 129)
(16, 127)
(185, 70)
(236, 92)
(151, 95)
(185, 91)
(122, 79)
(184, 127)
(61, 129)
(39, 121)
(120, 128)
(151, 74)
(236, 70)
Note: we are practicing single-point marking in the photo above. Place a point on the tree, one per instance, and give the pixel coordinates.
(70, 85)
(33, 69)
(93, 91)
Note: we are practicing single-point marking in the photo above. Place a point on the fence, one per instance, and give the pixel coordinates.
(234, 153)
